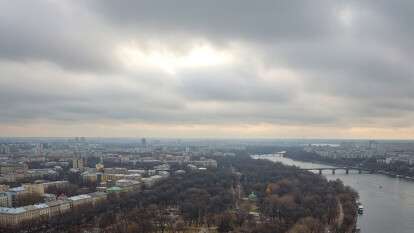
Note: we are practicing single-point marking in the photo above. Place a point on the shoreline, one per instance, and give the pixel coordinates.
(378, 172)
(339, 220)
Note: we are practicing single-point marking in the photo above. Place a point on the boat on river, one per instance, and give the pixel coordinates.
(360, 208)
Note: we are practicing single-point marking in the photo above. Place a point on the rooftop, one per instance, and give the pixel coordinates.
(79, 197)
(17, 189)
(19, 210)
(115, 188)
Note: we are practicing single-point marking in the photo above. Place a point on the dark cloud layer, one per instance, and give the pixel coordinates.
(294, 63)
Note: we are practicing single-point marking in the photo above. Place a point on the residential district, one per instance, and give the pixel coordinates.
(36, 178)
(44, 179)
(164, 185)
(384, 152)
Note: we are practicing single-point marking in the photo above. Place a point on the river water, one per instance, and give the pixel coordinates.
(388, 202)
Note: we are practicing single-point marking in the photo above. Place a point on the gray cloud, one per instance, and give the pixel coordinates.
(55, 32)
(239, 85)
(325, 63)
(229, 19)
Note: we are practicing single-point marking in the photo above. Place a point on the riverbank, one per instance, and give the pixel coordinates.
(383, 197)
(345, 211)
(337, 164)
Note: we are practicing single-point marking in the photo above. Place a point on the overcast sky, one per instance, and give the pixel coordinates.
(212, 68)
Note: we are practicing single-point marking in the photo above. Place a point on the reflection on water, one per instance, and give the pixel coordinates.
(388, 202)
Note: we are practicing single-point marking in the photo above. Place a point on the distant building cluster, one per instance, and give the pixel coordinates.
(345, 150)
(18, 171)
(386, 152)
(401, 158)
(28, 171)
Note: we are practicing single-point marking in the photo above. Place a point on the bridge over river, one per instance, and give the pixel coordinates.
(333, 169)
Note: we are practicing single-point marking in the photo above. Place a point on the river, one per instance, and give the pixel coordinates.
(388, 202)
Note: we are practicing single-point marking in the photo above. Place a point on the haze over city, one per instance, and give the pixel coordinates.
(214, 116)
(215, 69)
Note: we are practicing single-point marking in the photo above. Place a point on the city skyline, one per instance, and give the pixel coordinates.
(207, 69)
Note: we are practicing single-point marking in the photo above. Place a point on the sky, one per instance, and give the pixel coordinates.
(207, 69)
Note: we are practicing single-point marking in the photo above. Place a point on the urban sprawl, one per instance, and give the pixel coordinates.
(36, 177)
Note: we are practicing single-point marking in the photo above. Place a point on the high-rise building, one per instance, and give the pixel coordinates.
(4, 149)
(78, 163)
(38, 150)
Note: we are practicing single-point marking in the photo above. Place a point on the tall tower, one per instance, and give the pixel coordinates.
(78, 163)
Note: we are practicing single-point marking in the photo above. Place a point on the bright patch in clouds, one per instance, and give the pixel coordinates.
(346, 16)
(170, 60)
